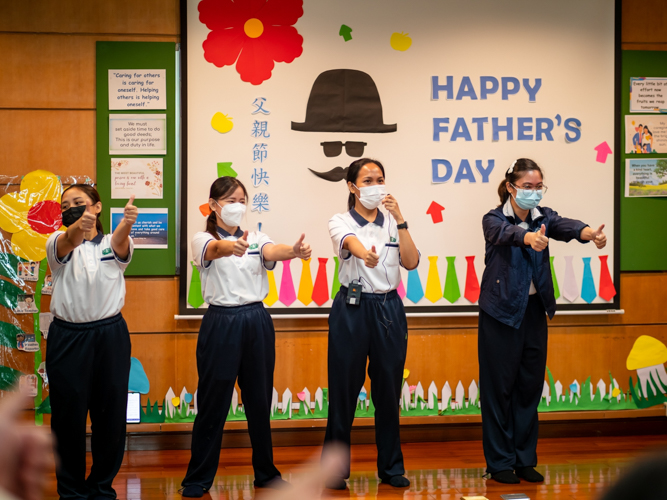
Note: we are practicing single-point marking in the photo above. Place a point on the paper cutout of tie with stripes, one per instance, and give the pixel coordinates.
(287, 295)
(401, 289)
(588, 292)
(321, 288)
(607, 288)
(472, 283)
(415, 290)
(452, 291)
(195, 298)
(553, 278)
(570, 288)
(272, 296)
(336, 282)
(433, 288)
(305, 294)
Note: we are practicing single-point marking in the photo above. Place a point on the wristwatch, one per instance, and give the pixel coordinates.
(402, 226)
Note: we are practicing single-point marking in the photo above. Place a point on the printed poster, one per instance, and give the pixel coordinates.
(645, 178)
(150, 230)
(141, 177)
(645, 134)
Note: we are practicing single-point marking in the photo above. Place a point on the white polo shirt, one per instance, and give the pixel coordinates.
(382, 233)
(88, 283)
(233, 281)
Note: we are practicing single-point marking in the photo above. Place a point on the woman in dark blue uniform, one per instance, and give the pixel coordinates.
(516, 291)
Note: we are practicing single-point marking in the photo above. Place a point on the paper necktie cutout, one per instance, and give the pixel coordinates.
(195, 298)
(321, 288)
(336, 282)
(401, 289)
(305, 294)
(553, 278)
(272, 296)
(433, 281)
(472, 283)
(287, 295)
(607, 288)
(588, 292)
(452, 291)
(415, 291)
(570, 288)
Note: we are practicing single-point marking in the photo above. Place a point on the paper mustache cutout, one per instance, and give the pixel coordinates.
(333, 175)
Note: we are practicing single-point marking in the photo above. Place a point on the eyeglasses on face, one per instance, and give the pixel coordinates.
(334, 148)
(542, 188)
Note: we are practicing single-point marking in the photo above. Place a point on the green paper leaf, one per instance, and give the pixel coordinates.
(44, 407)
(9, 265)
(9, 294)
(8, 334)
(8, 377)
(225, 169)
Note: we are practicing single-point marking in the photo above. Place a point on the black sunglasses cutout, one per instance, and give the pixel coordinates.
(352, 148)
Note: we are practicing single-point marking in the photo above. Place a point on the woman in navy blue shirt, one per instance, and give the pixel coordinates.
(516, 291)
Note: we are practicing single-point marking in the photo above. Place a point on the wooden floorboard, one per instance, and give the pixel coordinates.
(574, 468)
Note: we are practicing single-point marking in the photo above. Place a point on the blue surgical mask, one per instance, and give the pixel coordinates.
(527, 199)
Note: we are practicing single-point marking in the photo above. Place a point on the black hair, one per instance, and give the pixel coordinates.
(647, 129)
(94, 196)
(221, 187)
(353, 173)
(521, 166)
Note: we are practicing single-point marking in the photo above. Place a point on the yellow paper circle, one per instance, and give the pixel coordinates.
(253, 28)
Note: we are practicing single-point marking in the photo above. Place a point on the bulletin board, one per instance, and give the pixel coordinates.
(445, 94)
(643, 242)
(147, 58)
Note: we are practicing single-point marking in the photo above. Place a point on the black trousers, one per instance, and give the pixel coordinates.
(511, 377)
(233, 342)
(376, 330)
(89, 368)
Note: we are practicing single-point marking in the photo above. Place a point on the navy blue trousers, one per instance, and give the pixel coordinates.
(376, 330)
(89, 368)
(233, 342)
(511, 377)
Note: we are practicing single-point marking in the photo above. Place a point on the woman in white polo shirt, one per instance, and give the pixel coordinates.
(88, 352)
(371, 324)
(236, 337)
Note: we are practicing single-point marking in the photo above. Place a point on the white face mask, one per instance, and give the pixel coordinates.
(231, 214)
(372, 196)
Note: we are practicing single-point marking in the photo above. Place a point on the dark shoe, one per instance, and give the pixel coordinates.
(277, 483)
(529, 474)
(506, 477)
(398, 481)
(336, 483)
(193, 491)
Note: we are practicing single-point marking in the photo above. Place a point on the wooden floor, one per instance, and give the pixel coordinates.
(574, 468)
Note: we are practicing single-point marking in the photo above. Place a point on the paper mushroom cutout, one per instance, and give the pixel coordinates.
(648, 356)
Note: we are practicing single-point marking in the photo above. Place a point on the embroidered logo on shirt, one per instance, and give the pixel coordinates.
(253, 246)
(392, 239)
(106, 251)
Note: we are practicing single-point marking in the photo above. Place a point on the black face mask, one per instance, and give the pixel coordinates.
(71, 215)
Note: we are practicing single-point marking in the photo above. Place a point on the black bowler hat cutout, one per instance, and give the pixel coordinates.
(344, 100)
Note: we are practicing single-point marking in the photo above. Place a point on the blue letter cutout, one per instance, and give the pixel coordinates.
(486, 172)
(464, 172)
(435, 167)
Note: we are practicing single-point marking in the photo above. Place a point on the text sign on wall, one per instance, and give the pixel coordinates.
(648, 95)
(137, 89)
(138, 134)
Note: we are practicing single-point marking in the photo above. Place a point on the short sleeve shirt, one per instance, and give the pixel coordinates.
(233, 281)
(381, 233)
(88, 283)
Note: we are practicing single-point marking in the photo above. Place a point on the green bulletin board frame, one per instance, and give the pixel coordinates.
(643, 220)
(140, 55)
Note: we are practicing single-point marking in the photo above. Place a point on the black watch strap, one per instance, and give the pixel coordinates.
(403, 226)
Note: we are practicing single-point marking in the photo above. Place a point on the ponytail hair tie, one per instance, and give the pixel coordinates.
(511, 169)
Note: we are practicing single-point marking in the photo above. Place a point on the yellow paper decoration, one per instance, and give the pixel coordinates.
(176, 401)
(433, 288)
(272, 297)
(305, 294)
(32, 214)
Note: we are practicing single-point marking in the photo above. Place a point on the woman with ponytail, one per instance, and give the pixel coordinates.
(516, 292)
(236, 337)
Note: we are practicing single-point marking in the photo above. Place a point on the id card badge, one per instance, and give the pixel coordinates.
(354, 293)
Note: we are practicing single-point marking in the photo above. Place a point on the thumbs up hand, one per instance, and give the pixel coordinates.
(241, 245)
(599, 238)
(130, 212)
(302, 250)
(538, 241)
(372, 258)
(88, 219)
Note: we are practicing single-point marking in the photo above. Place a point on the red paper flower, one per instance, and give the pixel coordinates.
(251, 33)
